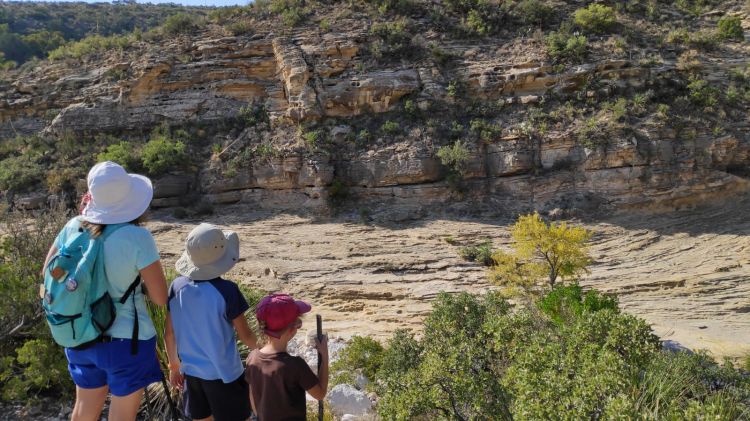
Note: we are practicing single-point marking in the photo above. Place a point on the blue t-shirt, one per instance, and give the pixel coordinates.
(126, 251)
(202, 313)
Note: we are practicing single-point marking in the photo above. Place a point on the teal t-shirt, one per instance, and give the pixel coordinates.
(126, 251)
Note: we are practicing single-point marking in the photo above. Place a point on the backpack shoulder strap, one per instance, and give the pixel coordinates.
(129, 293)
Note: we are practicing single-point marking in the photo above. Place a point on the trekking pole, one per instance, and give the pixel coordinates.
(170, 402)
(319, 322)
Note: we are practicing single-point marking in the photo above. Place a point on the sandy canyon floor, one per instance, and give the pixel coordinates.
(687, 273)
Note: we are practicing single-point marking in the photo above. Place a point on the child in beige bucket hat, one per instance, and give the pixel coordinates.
(205, 311)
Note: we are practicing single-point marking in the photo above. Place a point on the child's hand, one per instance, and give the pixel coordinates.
(176, 379)
(322, 346)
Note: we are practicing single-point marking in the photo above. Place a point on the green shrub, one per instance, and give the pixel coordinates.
(364, 353)
(480, 253)
(532, 12)
(20, 173)
(94, 44)
(595, 18)
(240, 27)
(448, 373)
(477, 359)
(565, 303)
(180, 23)
(162, 154)
(124, 153)
(730, 27)
(455, 156)
(410, 107)
(564, 45)
(254, 114)
(393, 39)
(40, 365)
(313, 138)
(702, 94)
(292, 11)
(486, 132)
(399, 6)
(390, 127)
(475, 24)
(29, 361)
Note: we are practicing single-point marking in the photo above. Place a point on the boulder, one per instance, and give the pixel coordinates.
(346, 399)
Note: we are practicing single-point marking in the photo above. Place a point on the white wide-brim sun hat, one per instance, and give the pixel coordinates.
(116, 196)
(209, 253)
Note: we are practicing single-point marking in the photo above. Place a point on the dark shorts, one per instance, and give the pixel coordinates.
(225, 401)
(111, 364)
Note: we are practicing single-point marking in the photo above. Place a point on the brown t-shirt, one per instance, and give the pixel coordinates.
(277, 384)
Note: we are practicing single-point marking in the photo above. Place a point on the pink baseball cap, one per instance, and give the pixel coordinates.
(279, 311)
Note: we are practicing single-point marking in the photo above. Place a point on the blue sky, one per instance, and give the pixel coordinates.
(185, 2)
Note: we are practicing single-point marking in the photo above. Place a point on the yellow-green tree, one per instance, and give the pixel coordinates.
(557, 250)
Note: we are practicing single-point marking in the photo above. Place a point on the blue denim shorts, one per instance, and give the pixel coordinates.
(110, 363)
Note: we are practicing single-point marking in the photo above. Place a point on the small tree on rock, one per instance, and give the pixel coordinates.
(556, 250)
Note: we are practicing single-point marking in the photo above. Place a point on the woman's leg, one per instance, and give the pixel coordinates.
(89, 403)
(125, 408)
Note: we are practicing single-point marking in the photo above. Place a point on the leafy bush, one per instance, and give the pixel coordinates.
(94, 44)
(485, 131)
(390, 127)
(162, 154)
(730, 27)
(39, 365)
(596, 18)
(568, 302)
(532, 12)
(180, 23)
(20, 173)
(564, 45)
(393, 39)
(399, 6)
(476, 24)
(30, 361)
(362, 352)
(239, 27)
(254, 114)
(124, 153)
(454, 156)
(481, 253)
(292, 11)
(313, 138)
(32, 30)
(477, 359)
(702, 94)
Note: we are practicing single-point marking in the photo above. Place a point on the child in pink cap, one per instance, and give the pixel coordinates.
(277, 380)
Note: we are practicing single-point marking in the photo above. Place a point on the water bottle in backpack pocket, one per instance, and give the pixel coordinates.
(75, 299)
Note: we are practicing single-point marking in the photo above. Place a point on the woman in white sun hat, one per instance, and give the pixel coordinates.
(118, 363)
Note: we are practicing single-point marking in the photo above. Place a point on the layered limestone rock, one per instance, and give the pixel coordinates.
(302, 78)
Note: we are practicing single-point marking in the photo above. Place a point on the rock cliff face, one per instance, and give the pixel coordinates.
(306, 79)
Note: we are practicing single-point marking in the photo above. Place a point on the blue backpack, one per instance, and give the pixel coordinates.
(75, 299)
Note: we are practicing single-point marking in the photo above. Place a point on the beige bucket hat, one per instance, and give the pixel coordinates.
(209, 253)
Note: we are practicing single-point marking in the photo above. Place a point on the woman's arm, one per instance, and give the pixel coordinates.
(156, 284)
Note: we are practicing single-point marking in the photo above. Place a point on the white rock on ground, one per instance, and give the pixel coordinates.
(346, 399)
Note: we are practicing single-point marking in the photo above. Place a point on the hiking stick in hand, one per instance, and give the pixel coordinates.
(319, 323)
